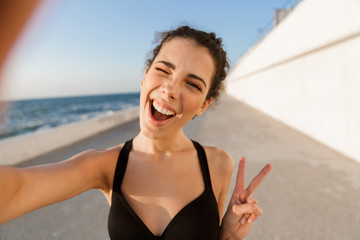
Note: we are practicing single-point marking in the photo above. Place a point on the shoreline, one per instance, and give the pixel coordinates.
(20, 148)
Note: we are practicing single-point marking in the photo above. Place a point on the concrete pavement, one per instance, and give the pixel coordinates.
(312, 192)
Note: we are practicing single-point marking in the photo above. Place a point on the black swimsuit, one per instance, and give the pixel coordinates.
(197, 220)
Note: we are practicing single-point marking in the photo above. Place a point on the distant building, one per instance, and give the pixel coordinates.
(280, 14)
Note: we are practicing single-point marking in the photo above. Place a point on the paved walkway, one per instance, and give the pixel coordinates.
(312, 192)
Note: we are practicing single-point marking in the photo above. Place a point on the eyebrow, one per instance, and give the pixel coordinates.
(190, 75)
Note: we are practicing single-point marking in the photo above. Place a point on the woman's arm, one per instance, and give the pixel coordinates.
(25, 189)
(225, 167)
(221, 166)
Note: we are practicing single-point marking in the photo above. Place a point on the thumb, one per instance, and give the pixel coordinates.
(246, 208)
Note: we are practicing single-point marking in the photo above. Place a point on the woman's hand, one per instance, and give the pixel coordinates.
(243, 209)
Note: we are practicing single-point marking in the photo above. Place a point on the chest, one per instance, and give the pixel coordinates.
(164, 201)
(158, 190)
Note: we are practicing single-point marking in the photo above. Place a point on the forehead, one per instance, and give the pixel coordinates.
(187, 56)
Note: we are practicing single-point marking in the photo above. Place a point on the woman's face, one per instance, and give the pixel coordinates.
(174, 87)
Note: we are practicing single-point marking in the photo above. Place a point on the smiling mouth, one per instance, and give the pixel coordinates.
(159, 113)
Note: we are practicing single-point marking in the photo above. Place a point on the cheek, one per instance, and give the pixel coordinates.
(149, 84)
(193, 103)
(151, 81)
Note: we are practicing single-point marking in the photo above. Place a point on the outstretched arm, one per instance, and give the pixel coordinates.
(243, 209)
(25, 189)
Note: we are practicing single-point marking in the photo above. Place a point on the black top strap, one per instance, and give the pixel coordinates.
(121, 166)
(124, 156)
(204, 164)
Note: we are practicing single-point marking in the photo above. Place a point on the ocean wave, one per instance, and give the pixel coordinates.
(26, 116)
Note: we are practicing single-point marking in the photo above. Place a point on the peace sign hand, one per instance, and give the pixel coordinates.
(243, 209)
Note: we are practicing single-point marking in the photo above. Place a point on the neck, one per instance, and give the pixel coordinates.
(161, 147)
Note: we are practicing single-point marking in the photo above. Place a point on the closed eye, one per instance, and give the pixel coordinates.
(162, 70)
(194, 86)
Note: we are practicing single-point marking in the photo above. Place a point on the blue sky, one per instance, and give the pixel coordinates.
(78, 47)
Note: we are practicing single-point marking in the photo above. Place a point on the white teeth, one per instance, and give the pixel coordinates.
(162, 110)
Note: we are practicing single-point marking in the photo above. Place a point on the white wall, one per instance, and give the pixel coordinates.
(20, 148)
(306, 73)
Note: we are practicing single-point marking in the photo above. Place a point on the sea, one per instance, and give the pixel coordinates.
(29, 116)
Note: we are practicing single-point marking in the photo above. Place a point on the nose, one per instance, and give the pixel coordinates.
(170, 89)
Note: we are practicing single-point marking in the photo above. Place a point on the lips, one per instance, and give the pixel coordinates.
(158, 113)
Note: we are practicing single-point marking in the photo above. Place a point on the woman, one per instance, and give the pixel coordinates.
(161, 184)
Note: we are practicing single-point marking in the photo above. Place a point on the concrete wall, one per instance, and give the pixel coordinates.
(21, 148)
(306, 73)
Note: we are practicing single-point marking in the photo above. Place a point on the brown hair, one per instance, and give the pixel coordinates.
(204, 39)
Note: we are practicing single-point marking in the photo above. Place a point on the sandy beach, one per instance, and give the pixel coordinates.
(312, 192)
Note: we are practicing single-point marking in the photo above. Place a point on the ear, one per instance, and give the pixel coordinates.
(205, 105)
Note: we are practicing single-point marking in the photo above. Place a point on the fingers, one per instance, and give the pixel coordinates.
(248, 218)
(244, 218)
(247, 209)
(252, 200)
(249, 212)
(258, 179)
(240, 177)
(252, 218)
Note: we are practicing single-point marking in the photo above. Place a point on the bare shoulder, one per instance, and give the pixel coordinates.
(94, 156)
(101, 162)
(221, 167)
(220, 160)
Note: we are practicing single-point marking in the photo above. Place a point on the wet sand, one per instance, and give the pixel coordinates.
(311, 193)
